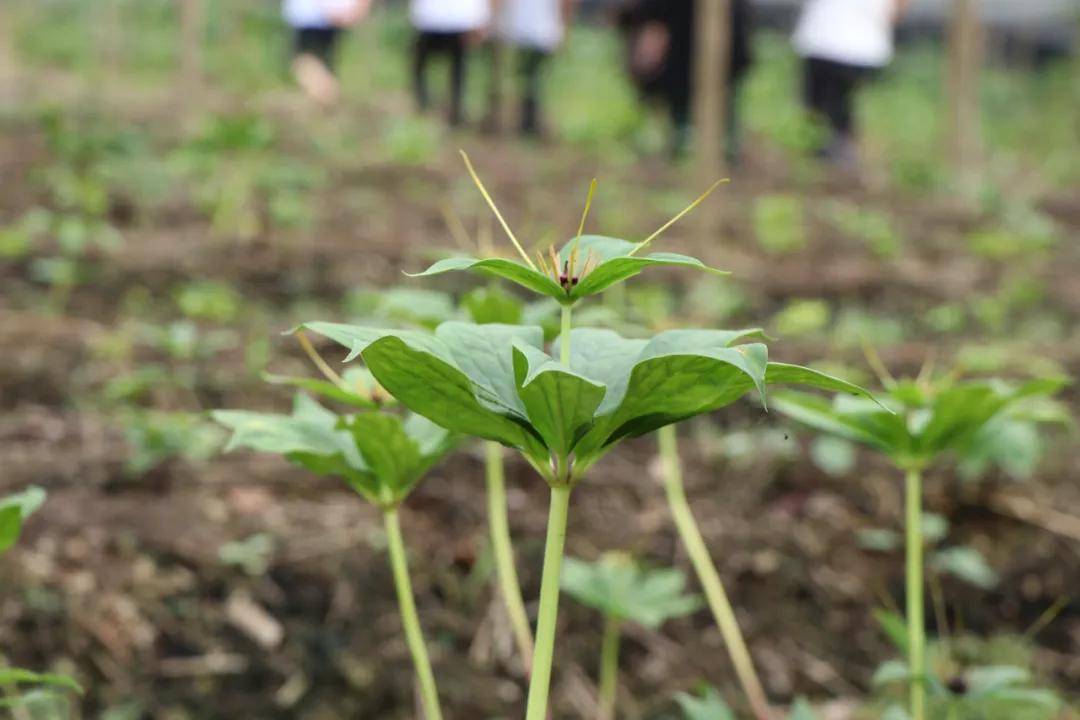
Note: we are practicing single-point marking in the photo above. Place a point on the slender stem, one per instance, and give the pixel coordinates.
(564, 335)
(509, 587)
(915, 616)
(316, 358)
(549, 603)
(609, 667)
(707, 574)
(429, 694)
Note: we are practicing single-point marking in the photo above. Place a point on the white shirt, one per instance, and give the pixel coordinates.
(314, 13)
(449, 15)
(531, 23)
(854, 32)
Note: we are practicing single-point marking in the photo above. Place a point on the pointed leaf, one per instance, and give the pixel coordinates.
(508, 269)
(559, 402)
(483, 352)
(787, 374)
(390, 453)
(18, 676)
(420, 371)
(821, 414)
(10, 526)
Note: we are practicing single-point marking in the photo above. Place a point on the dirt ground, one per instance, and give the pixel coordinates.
(119, 580)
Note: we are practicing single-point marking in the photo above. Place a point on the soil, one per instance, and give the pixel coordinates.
(118, 580)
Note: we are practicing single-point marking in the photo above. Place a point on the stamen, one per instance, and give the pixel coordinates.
(678, 217)
(491, 204)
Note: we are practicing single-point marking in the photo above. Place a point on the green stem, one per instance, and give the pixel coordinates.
(549, 603)
(564, 335)
(915, 615)
(509, 587)
(609, 667)
(414, 637)
(707, 574)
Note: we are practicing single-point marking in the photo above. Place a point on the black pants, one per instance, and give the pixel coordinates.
(829, 92)
(453, 44)
(531, 69)
(320, 42)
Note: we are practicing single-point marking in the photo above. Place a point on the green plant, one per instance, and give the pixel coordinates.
(968, 679)
(623, 591)
(382, 456)
(780, 223)
(498, 383)
(925, 420)
(711, 706)
(43, 687)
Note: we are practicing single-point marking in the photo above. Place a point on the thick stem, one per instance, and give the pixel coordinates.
(414, 637)
(708, 576)
(564, 335)
(549, 603)
(609, 667)
(915, 615)
(509, 586)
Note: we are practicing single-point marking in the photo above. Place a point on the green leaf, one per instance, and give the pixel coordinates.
(894, 627)
(967, 564)
(385, 447)
(310, 437)
(891, 672)
(507, 269)
(613, 262)
(10, 526)
(802, 710)
(14, 510)
(18, 676)
(616, 586)
(559, 402)
(860, 422)
(422, 373)
(667, 385)
(710, 706)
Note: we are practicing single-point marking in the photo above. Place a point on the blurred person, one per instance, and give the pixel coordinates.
(446, 27)
(317, 25)
(842, 43)
(535, 28)
(662, 43)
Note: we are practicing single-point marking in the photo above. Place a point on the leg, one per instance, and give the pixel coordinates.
(679, 108)
(816, 93)
(311, 67)
(457, 43)
(532, 62)
(421, 54)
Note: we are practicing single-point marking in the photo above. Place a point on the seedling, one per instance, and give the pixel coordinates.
(928, 419)
(497, 382)
(622, 591)
(21, 688)
(380, 455)
(709, 705)
(969, 679)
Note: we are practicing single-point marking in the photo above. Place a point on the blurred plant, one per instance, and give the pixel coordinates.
(153, 437)
(802, 317)
(208, 300)
(926, 419)
(622, 591)
(967, 679)
(379, 454)
(252, 554)
(872, 227)
(711, 706)
(22, 691)
(780, 223)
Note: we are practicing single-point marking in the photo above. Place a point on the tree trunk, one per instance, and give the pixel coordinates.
(965, 65)
(712, 58)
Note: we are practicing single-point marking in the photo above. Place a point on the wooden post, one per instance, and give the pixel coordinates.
(712, 59)
(191, 35)
(965, 60)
